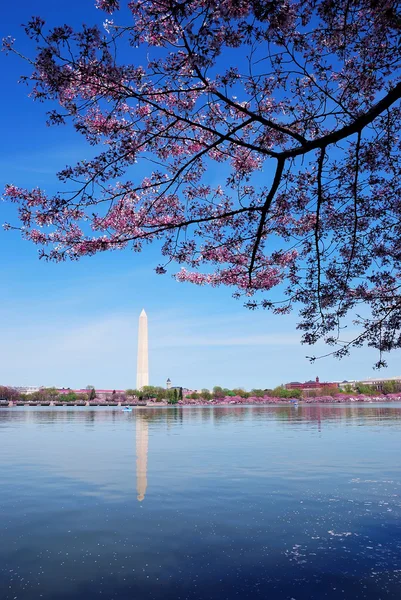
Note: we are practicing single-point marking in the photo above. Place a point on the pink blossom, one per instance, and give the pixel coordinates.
(108, 5)
(276, 174)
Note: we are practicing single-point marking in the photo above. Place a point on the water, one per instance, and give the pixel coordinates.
(200, 503)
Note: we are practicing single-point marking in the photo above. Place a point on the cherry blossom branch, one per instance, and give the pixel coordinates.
(355, 127)
(265, 210)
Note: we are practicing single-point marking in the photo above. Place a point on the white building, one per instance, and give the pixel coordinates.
(27, 389)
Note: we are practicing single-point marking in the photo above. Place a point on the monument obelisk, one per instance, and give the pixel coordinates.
(142, 371)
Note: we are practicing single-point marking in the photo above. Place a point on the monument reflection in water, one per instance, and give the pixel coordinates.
(142, 441)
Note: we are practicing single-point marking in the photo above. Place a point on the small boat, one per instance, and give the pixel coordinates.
(127, 409)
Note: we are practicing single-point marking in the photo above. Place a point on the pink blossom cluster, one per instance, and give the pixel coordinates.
(256, 400)
(258, 142)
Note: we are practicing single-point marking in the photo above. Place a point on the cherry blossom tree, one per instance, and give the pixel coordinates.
(257, 141)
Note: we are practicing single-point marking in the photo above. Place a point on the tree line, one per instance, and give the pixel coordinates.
(174, 395)
(157, 393)
(219, 392)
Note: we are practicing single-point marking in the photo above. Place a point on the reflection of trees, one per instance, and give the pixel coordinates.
(222, 414)
(318, 413)
(367, 414)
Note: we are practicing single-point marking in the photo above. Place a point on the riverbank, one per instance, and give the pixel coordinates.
(226, 401)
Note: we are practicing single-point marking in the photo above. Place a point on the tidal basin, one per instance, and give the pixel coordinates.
(201, 503)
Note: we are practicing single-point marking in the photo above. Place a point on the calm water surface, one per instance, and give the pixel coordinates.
(201, 503)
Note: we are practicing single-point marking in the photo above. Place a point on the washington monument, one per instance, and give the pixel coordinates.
(142, 371)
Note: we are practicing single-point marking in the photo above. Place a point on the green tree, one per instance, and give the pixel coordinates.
(365, 389)
(282, 392)
(70, 397)
(172, 398)
(347, 389)
(149, 391)
(389, 387)
(91, 392)
(240, 392)
(397, 386)
(161, 394)
(38, 396)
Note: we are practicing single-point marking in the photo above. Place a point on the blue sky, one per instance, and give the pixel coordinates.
(75, 324)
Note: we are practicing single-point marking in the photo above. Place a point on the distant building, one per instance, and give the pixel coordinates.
(377, 382)
(168, 384)
(28, 389)
(310, 385)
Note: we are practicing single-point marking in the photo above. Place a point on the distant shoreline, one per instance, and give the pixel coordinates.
(227, 401)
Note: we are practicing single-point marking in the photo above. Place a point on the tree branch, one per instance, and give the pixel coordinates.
(265, 210)
(356, 126)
